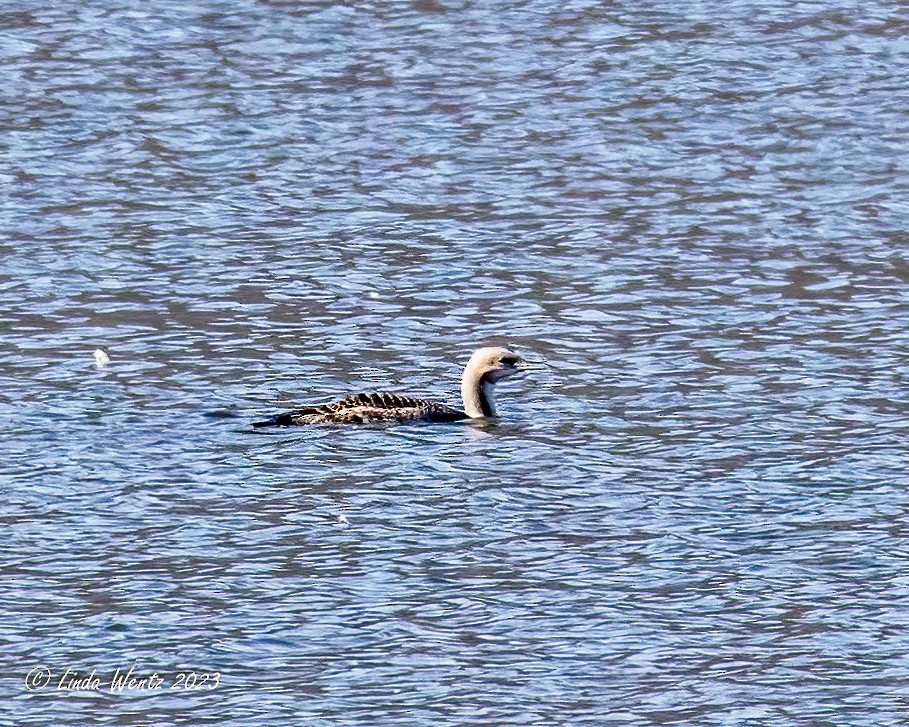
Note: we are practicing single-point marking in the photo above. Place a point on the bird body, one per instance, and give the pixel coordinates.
(485, 367)
(371, 407)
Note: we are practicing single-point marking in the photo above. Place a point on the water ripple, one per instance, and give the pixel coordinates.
(692, 508)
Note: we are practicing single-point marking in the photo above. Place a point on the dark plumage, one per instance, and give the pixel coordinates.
(372, 407)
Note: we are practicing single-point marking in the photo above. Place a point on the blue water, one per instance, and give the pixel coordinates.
(691, 219)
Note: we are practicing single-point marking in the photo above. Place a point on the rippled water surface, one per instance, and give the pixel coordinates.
(691, 217)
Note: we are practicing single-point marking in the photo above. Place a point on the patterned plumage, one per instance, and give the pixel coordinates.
(370, 407)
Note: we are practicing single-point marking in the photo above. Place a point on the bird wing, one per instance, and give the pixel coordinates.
(372, 406)
(384, 405)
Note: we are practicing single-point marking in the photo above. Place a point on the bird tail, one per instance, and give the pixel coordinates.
(280, 420)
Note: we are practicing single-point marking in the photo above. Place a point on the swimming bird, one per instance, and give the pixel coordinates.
(487, 366)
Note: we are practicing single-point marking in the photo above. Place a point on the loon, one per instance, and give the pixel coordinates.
(487, 366)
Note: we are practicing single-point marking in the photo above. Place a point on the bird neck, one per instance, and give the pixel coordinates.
(476, 390)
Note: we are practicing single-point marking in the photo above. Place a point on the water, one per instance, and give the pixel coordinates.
(691, 218)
